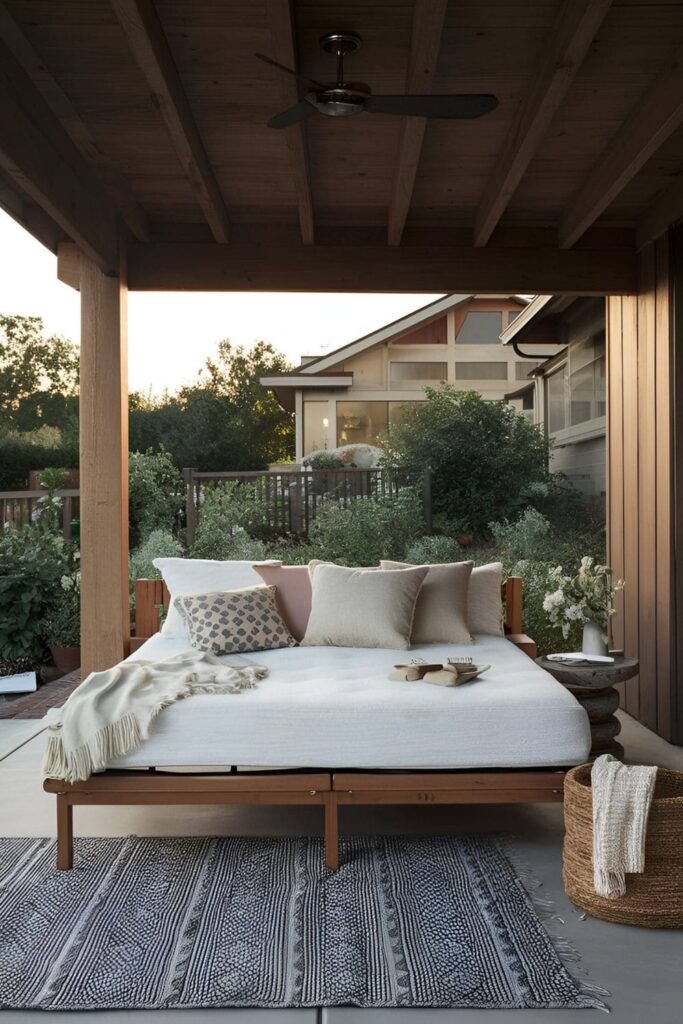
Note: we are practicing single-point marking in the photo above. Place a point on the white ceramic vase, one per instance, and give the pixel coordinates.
(593, 642)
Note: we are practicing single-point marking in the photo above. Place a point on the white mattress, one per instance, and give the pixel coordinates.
(329, 707)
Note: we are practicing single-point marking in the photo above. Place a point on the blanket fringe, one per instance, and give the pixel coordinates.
(546, 909)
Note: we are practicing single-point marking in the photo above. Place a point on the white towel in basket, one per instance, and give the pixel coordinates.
(622, 795)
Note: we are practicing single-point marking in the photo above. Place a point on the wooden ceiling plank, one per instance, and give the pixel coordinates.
(563, 53)
(428, 20)
(281, 21)
(380, 268)
(149, 46)
(60, 104)
(658, 114)
(663, 213)
(40, 159)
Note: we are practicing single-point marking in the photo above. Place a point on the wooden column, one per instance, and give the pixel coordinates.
(105, 626)
(644, 424)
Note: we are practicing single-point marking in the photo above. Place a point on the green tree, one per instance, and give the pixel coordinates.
(35, 369)
(487, 460)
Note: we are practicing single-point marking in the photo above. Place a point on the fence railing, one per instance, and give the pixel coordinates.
(292, 498)
(19, 507)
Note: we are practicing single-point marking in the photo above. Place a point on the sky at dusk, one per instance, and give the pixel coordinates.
(170, 334)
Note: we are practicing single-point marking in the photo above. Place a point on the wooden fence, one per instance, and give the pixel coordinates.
(19, 507)
(293, 497)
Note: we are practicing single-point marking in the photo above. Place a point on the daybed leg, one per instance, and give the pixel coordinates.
(65, 833)
(331, 831)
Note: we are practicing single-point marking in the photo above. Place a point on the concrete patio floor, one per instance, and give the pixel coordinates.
(643, 969)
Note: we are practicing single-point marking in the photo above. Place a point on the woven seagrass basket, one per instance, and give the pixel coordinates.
(653, 899)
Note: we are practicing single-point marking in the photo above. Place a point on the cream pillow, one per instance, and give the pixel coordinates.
(485, 603)
(362, 607)
(441, 609)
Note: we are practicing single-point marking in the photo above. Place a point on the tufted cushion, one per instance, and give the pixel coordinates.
(235, 621)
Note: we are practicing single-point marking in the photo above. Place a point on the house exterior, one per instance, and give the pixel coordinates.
(566, 392)
(356, 393)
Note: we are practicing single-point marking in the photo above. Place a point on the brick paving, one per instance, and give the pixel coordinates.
(50, 695)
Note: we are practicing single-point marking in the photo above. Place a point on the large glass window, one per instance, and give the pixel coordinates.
(481, 328)
(414, 375)
(587, 380)
(556, 399)
(360, 422)
(316, 423)
(398, 411)
(481, 371)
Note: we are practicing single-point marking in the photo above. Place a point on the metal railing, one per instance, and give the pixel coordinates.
(19, 507)
(292, 498)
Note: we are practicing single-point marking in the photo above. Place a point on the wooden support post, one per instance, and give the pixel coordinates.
(331, 831)
(105, 617)
(65, 833)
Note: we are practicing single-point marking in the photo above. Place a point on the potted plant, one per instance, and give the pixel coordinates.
(588, 598)
(63, 626)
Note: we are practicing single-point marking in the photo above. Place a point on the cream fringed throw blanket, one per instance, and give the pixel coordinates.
(110, 712)
(622, 795)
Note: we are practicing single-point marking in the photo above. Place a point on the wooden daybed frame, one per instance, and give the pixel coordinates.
(329, 789)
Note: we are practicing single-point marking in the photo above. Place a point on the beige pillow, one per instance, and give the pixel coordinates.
(235, 621)
(485, 604)
(441, 609)
(362, 607)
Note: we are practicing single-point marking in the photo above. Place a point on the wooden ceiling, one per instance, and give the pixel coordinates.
(154, 115)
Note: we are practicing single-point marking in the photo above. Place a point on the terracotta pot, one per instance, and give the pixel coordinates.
(66, 658)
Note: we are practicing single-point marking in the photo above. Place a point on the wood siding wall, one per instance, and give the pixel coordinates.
(641, 429)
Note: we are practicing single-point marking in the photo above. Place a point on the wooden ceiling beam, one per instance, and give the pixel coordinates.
(59, 103)
(658, 114)
(428, 19)
(281, 21)
(664, 212)
(41, 160)
(381, 268)
(150, 48)
(562, 55)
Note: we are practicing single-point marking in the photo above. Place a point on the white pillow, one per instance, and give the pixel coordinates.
(484, 601)
(199, 576)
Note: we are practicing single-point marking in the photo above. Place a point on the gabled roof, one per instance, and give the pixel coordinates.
(390, 332)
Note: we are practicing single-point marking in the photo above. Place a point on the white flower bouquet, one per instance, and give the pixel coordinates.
(586, 597)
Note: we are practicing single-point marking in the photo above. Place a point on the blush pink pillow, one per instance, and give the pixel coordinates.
(293, 594)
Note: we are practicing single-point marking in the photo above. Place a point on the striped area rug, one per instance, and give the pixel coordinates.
(181, 923)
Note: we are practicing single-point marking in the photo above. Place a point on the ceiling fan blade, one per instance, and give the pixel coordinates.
(459, 106)
(292, 116)
(283, 67)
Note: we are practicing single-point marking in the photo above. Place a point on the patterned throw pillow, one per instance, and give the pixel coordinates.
(235, 621)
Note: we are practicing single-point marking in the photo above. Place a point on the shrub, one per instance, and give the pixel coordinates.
(487, 460)
(159, 544)
(435, 550)
(32, 563)
(156, 494)
(366, 530)
(63, 624)
(36, 449)
(527, 537)
(232, 517)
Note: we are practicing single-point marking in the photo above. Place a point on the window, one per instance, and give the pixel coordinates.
(481, 371)
(360, 422)
(556, 399)
(512, 315)
(398, 411)
(587, 380)
(481, 328)
(316, 423)
(528, 400)
(410, 375)
(522, 370)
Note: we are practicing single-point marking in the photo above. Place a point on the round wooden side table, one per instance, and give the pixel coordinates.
(593, 686)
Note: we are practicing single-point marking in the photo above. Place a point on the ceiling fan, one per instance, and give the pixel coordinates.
(346, 99)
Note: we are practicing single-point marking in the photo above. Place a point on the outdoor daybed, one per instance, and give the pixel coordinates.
(327, 727)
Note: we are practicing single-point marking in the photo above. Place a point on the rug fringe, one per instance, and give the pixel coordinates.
(546, 910)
